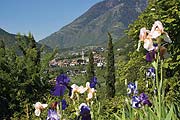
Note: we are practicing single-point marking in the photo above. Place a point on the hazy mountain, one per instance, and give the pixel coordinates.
(11, 42)
(8, 38)
(91, 28)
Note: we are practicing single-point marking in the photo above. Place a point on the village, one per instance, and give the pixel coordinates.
(77, 64)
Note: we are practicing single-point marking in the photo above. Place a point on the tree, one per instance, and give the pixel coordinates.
(90, 67)
(27, 74)
(2, 47)
(110, 77)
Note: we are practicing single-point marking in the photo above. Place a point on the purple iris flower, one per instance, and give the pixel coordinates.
(93, 82)
(58, 90)
(151, 73)
(132, 88)
(136, 103)
(64, 104)
(144, 99)
(52, 115)
(62, 79)
(150, 56)
(62, 82)
(85, 112)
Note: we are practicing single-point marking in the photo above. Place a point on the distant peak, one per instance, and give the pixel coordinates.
(2, 31)
(91, 27)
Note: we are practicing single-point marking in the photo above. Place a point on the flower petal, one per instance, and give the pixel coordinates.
(150, 56)
(148, 44)
(81, 89)
(93, 82)
(144, 99)
(37, 112)
(136, 102)
(85, 112)
(58, 90)
(62, 79)
(151, 73)
(167, 38)
(156, 30)
(143, 34)
(44, 105)
(64, 104)
(52, 115)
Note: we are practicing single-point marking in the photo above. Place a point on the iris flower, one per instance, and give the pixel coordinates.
(80, 90)
(91, 92)
(148, 44)
(132, 88)
(62, 82)
(143, 37)
(76, 89)
(64, 104)
(144, 99)
(52, 115)
(156, 30)
(150, 56)
(151, 73)
(136, 102)
(147, 36)
(143, 34)
(38, 107)
(93, 82)
(85, 112)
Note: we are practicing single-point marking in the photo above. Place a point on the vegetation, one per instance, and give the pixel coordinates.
(146, 88)
(24, 79)
(90, 67)
(110, 77)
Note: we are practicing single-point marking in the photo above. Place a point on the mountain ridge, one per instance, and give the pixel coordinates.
(91, 28)
(10, 41)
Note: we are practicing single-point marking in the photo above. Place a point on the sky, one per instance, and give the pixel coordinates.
(40, 17)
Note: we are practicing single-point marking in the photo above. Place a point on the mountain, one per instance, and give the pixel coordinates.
(9, 39)
(11, 42)
(91, 28)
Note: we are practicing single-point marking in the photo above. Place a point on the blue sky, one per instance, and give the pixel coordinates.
(40, 17)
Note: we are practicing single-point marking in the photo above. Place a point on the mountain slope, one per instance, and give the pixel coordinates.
(9, 39)
(11, 42)
(91, 28)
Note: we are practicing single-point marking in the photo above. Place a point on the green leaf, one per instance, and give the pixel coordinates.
(169, 115)
(123, 115)
(170, 20)
(118, 118)
(165, 65)
(154, 64)
(178, 57)
(152, 114)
